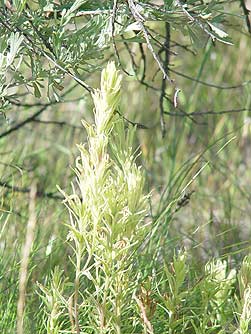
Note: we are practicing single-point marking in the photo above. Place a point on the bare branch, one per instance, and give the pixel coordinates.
(51, 195)
(114, 13)
(140, 19)
(205, 113)
(166, 48)
(208, 83)
(21, 124)
(246, 13)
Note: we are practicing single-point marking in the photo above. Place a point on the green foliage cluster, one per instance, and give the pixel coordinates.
(43, 42)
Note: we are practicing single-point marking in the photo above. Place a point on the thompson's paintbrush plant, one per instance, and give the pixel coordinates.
(106, 220)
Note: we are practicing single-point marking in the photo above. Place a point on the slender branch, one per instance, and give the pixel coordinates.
(172, 43)
(41, 104)
(27, 120)
(40, 36)
(211, 112)
(113, 18)
(163, 46)
(93, 12)
(29, 105)
(181, 111)
(134, 64)
(205, 113)
(58, 123)
(51, 14)
(246, 13)
(138, 125)
(208, 83)
(185, 47)
(131, 55)
(193, 19)
(140, 20)
(143, 57)
(33, 118)
(166, 49)
(39, 193)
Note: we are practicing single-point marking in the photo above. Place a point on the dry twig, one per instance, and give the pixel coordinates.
(23, 273)
(140, 21)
